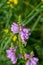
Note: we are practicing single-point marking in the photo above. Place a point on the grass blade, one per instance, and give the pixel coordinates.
(35, 24)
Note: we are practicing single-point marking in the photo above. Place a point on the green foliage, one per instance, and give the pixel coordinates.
(32, 15)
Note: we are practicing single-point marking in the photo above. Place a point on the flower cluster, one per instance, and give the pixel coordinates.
(24, 32)
(31, 60)
(11, 2)
(11, 54)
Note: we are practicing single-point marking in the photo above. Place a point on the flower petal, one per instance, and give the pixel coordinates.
(28, 63)
(14, 28)
(35, 59)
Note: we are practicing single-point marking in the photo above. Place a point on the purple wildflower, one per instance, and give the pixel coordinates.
(14, 28)
(11, 54)
(13, 59)
(32, 60)
(24, 32)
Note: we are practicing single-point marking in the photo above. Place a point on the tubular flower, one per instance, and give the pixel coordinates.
(14, 28)
(24, 32)
(11, 54)
(32, 60)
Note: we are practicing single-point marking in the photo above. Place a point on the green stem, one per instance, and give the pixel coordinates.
(21, 46)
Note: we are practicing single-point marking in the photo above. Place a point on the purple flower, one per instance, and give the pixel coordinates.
(11, 54)
(32, 60)
(13, 59)
(14, 28)
(24, 32)
(28, 63)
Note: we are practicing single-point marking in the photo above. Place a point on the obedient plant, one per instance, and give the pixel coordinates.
(31, 60)
(11, 54)
(24, 34)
